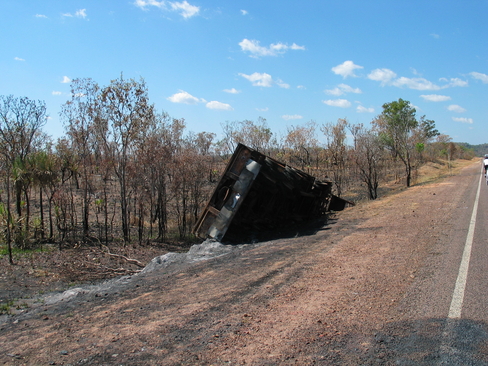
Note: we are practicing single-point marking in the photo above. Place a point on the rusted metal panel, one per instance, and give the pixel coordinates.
(259, 194)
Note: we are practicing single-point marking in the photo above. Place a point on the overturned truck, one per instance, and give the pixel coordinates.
(258, 197)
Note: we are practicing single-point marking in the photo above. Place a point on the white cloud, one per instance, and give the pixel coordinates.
(382, 75)
(143, 3)
(56, 93)
(254, 48)
(282, 84)
(453, 82)
(288, 117)
(456, 108)
(336, 91)
(346, 69)
(66, 80)
(301, 87)
(184, 97)
(244, 12)
(436, 98)
(275, 49)
(258, 79)
(361, 109)
(388, 77)
(479, 76)
(185, 9)
(232, 91)
(463, 120)
(348, 89)
(458, 82)
(81, 13)
(218, 105)
(294, 46)
(343, 89)
(342, 103)
(40, 16)
(18, 59)
(415, 83)
(262, 109)
(434, 35)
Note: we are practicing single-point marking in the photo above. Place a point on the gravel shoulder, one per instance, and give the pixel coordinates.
(335, 297)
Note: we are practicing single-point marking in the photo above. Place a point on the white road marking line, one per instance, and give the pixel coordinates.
(458, 294)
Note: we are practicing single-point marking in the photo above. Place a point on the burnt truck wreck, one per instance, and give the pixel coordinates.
(257, 196)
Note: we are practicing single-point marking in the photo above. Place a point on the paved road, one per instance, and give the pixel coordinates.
(475, 305)
(449, 304)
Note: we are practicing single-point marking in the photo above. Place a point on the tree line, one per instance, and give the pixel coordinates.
(125, 172)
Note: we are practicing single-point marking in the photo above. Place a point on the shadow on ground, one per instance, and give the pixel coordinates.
(242, 235)
(452, 342)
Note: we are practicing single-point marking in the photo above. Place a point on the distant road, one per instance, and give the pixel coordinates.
(451, 302)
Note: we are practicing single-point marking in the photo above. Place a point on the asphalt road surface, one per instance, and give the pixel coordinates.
(450, 301)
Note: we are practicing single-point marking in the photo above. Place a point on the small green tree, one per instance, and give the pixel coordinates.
(402, 133)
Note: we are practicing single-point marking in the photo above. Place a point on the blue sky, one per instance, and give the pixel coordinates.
(286, 61)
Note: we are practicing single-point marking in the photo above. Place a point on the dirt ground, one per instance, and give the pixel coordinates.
(51, 269)
(326, 298)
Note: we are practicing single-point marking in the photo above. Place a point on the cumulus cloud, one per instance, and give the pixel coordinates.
(456, 108)
(185, 9)
(40, 16)
(282, 84)
(463, 120)
(56, 93)
(218, 105)
(361, 109)
(274, 49)
(232, 91)
(18, 59)
(259, 79)
(244, 12)
(343, 89)
(384, 76)
(479, 76)
(456, 82)
(66, 80)
(288, 117)
(436, 98)
(184, 97)
(415, 83)
(262, 109)
(388, 77)
(81, 13)
(342, 103)
(346, 69)
(144, 3)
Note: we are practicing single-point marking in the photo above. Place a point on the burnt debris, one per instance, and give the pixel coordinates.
(260, 198)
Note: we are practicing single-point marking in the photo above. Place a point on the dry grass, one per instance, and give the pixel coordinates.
(433, 171)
